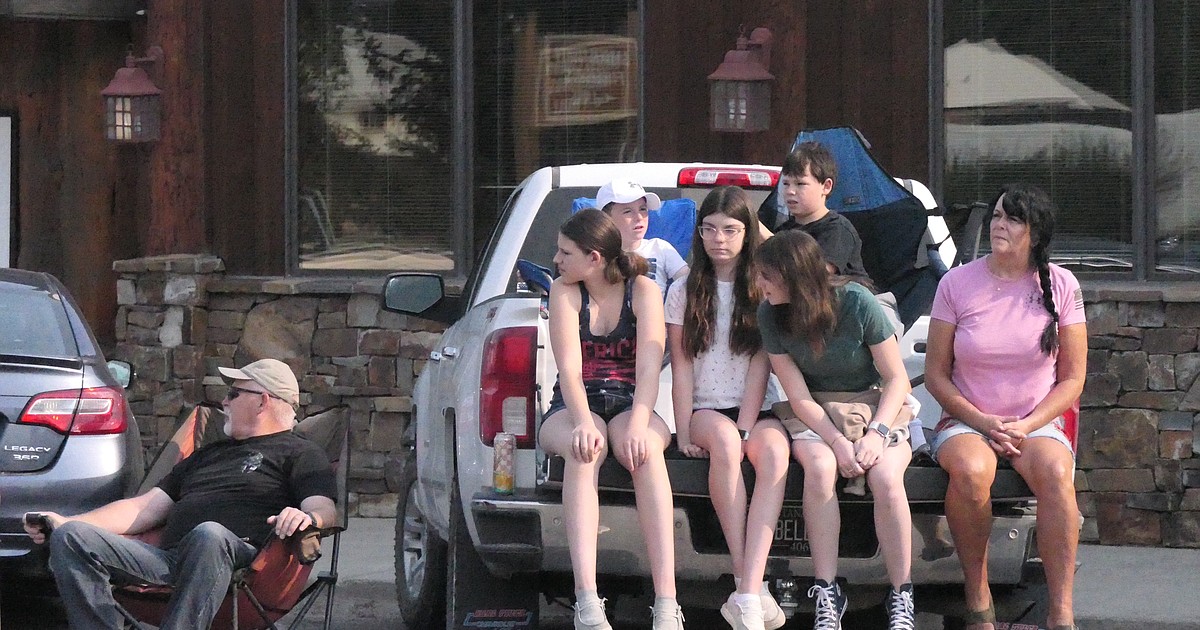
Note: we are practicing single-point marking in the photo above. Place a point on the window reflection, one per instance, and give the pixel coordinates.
(1024, 102)
(374, 134)
(1177, 137)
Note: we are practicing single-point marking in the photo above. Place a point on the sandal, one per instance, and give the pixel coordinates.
(982, 619)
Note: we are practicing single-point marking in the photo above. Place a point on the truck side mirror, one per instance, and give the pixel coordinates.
(420, 294)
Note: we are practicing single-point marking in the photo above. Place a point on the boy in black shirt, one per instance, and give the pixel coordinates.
(808, 175)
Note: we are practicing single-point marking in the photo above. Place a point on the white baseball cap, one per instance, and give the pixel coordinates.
(625, 191)
(275, 376)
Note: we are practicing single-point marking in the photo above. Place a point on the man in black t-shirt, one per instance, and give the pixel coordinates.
(218, 507)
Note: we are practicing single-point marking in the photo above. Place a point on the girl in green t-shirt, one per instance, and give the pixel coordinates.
(824, 333)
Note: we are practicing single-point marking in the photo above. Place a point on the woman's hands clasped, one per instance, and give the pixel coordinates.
(1005, 434)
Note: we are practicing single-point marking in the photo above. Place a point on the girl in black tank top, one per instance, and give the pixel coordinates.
(604, 402)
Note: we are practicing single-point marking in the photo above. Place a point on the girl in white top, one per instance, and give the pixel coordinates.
(629, 205)
(720, 373)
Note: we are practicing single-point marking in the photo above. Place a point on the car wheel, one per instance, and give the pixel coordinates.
(420, 557)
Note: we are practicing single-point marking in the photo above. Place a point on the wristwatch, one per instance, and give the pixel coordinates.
(745, 434)
(879, 428)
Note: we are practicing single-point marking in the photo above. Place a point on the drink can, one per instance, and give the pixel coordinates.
(504, 446)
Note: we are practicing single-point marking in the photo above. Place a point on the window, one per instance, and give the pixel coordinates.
(1048, 92)
(1177, 135)
(373, 129)
(556, 82)
(550, 82)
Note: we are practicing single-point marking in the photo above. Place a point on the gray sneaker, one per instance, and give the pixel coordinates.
(773, 617)
(744, 615)
(666, 617)
(589, 611)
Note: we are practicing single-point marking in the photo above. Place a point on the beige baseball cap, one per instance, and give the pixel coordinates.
(274, 375)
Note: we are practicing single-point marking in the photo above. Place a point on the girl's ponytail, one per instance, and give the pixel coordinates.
(625, 266)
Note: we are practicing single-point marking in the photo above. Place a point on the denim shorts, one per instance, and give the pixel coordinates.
(605, 401)
(950, 427)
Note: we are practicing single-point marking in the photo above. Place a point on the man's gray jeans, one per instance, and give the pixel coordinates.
(86, 559)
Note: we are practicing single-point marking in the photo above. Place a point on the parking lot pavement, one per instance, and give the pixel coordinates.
(1117, 588)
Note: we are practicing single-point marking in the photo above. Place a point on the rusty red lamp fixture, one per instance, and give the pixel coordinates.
(132, 102)
(741, 85)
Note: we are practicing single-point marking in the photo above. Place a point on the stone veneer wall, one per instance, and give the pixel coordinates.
(1139, 445)
(180, 317)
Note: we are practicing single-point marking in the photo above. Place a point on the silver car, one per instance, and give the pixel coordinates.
(68, 441)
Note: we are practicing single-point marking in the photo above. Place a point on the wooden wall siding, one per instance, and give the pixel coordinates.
(868, 67)
(177, 184)
(245, 126)
(836, 62)
(76, 208)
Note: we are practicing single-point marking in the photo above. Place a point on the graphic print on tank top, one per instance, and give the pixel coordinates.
(610, 357)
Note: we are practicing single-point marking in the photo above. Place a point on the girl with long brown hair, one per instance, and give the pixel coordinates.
(828, 338)
(719, 381)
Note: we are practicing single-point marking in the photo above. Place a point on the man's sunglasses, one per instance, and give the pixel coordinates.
(234, 392)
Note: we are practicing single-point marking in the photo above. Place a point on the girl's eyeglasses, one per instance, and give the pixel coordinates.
(708, 232)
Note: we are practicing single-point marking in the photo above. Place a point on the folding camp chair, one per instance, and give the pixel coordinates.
(278, 578)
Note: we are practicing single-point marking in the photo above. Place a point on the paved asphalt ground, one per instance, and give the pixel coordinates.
(1116, 588)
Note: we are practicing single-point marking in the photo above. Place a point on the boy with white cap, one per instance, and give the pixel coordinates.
(629, 205)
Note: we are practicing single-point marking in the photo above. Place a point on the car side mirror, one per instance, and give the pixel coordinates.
(121, 371)
(420, 294)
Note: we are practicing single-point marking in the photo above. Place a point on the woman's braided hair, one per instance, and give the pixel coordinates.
(1033, 206)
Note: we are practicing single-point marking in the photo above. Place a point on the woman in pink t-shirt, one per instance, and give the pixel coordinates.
(1007, 357)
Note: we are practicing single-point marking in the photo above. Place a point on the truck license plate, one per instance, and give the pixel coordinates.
(789, 534)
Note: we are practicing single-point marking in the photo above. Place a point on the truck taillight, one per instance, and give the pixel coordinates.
(90, 411)
(508, 385)
(760, 178)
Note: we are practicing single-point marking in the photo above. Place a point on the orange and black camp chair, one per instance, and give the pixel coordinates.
(278, 578)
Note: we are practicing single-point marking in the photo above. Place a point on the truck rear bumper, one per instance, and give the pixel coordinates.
(526, 534)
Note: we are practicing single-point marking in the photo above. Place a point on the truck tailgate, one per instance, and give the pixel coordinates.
(924, 480)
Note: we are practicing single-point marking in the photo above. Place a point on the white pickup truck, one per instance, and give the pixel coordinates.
(481, 559)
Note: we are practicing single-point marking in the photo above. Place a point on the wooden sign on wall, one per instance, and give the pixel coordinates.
(584, 79)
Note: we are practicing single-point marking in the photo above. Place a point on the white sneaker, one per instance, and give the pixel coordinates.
(773, 617)
(666, 617)
(744, 613)
(590, 615)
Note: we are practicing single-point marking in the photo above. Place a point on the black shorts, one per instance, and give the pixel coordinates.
(605, 400)
(732, 413)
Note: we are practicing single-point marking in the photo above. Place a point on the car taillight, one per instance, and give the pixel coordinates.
(90, 411)
(744, 177)
(508, 385)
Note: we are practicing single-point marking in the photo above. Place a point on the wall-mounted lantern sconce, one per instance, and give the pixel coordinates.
(132, 103)
(741, 86)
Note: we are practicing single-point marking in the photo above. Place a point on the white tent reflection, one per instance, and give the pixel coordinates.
(1045, 116)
